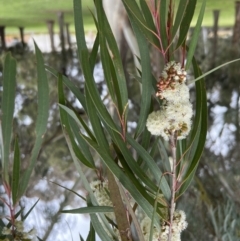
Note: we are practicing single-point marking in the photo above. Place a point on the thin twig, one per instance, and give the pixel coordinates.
(173, 141)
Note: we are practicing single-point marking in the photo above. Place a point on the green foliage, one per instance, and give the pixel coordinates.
(7, 107)
(42, 117)
(108, 136)
(16, 187)
(137, 162)
(91, 235)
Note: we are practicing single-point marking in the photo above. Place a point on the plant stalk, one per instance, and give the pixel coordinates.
(119, 208)
(173, 142)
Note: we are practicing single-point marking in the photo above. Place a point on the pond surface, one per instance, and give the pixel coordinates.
(219, 168)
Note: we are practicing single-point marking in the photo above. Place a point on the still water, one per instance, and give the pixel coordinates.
(219, 168)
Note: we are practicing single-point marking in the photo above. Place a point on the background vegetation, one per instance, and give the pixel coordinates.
(33, 14)
(211, 203)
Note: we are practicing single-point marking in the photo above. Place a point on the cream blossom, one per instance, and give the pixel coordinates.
(178, 225)
(176, 112)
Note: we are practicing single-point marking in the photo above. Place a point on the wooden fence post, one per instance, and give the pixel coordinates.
(2, 36)
(50, 24)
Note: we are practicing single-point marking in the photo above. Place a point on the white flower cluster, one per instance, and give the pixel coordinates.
(176, 112)
(178, 225)
(19, 232)
(100, 190)
(101, 193)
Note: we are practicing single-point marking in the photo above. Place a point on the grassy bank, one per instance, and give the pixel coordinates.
(33, 14)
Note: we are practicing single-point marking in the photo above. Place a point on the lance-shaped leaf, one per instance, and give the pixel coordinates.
(147, 15)
(212, 70)
(87, 69)
(71, 86)
(163, 17)
(7, 108)
(91, 209)
(199, 132)
(42, 117)
(185, 25)
(96, 223)
(16, 172)
(123, 178)
(195, 36)
(30, 210)
(144, 25)
(106, 61)
(81, 149)
(91, 234)
(179, 16)
(152, 166)
(104, 28)
(96, 123)
(65, 117)
(94, 95)
(146, 76)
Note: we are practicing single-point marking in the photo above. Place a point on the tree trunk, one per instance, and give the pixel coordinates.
(236, 28)
(215, 36)
(21, 29)
(68, 36)
(50, 25)
(2, 35)
(61, 30)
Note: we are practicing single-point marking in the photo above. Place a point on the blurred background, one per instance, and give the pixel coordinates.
(212, 203)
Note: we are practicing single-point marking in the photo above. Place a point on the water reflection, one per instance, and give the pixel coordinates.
(219, 165)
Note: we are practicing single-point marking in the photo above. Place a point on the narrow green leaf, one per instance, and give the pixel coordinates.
(179, 16)
(199, 132)
(212, 70)
(133, 9)
(163, 14)
(81, 238)
(94, 53)
(91, 234)
(71, 86)
(146, 78)
(115, 83)
(131, 163)
(70, 190)
(185, 25)
(98, 227)
(76, 147)
(104, 28)
(195, 36)
(43, 95)
(66, 129)
(96, 123)
(30, 210)
(164, 155)
(42, 117)
(84, 59)
(82, 144)
(16, 172)
(151, 164)
(7, 107)
(92, 209)
(91, 86)
(82, 154)
(147, 15)
(146, 135)
(79, 29)
(124, 180)
(105, 57)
